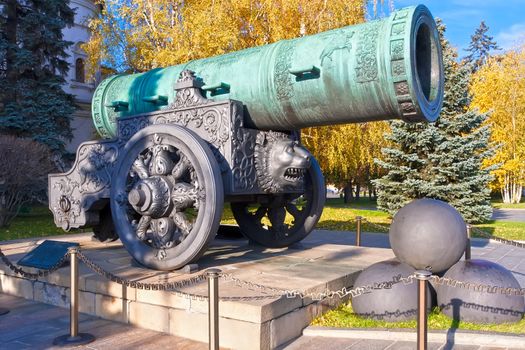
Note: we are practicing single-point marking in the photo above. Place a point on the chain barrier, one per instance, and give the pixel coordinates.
(498, 239)
(32, 275)
(166, 286)
(318, 296)
(450, 282)
(382, 228)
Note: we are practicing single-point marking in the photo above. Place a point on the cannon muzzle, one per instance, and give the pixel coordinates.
(386, 69)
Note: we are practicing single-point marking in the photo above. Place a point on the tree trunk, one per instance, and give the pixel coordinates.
(511, 190)
(348, 194)
(357, 191)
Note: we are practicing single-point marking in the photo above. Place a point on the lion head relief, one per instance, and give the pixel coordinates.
(281, 162)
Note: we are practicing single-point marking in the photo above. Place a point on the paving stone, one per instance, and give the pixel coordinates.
(36, 330)
(233, 333)
(451, 346)
(372, 345)
(112, 308)
(16, 286)
(149, 316)
(306, 343)
(51, 294)
(410, 345)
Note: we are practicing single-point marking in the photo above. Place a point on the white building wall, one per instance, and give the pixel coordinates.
(82, 124)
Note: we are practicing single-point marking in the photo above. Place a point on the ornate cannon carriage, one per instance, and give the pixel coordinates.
(184, 140)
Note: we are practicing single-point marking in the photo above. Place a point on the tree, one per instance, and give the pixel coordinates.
(346, 153)
(481, 44)
(499, 87)
(441, 160)
(141, 35)
(25, 166)
(32, 66)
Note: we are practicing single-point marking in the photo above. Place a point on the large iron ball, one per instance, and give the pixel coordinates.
(428, 234)
(397, 303)
(480, 307)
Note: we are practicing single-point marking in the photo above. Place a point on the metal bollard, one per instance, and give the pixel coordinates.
(358, 220)
(74, 337)
(3, 311)
(422, 276)
(467, 248)
(213, 307)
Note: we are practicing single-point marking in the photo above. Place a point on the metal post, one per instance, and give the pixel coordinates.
(467, 248)
(358, 220)
(422, 276)
(73, 338)
(213, 307)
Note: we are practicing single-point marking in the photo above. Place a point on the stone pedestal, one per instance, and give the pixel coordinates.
(250, 318)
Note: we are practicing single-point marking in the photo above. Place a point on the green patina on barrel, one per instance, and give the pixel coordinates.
(386, 69)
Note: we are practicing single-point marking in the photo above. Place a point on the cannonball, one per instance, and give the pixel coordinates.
(398, 303)
(480, 306)
(428, 234)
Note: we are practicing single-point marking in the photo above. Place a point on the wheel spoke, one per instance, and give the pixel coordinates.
(259, 214)
(293, 210)
(142, 227)
(277, 217)
(182, 168)
(140, 168)
(184, 195)
(184, 225)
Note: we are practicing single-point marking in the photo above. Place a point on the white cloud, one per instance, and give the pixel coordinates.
(511, 36)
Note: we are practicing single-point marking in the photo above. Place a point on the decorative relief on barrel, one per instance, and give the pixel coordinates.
(243, 146)
(366, 68)
(97, 108)
(282, 76)
(398, 65)
(337, 41)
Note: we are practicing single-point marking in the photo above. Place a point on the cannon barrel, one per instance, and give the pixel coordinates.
(385, 69)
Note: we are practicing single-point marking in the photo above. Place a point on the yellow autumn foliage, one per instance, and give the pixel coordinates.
(499, 88)
(145, 34)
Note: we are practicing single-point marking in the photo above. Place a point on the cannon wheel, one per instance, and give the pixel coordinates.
(283, 219)
(166, 196)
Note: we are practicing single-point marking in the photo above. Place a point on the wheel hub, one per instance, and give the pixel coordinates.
(151, 196)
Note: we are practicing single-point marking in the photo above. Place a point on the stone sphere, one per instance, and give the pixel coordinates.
(481, 307)
(427, 233)
(398, 303)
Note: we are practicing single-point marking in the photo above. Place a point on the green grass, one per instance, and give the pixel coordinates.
(36, 222)
(336, 216)
(505, 229)
(344, 317)
(498, 203)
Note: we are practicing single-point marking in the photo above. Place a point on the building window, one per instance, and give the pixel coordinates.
(80, 71)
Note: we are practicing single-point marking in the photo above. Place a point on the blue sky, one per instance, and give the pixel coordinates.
(505, 18)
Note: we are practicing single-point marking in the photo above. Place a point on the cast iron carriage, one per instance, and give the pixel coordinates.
(184, 140)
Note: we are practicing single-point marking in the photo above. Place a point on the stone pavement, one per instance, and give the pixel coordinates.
(513, 258)
(32, 325)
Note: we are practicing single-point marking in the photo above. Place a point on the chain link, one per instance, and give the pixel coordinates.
(32, 275)
(318, 296)
(450, 282)
(166, 286)
(498, 239)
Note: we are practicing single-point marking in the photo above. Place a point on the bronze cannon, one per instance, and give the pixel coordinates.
(183, 140)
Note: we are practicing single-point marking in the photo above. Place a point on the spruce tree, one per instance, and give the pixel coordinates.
(480, 46)
(441, 160)
(32, 68)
